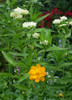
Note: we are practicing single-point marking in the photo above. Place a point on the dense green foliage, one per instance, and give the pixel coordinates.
(19, 50)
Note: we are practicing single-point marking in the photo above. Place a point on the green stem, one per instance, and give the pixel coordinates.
(56, 69)
(64, 83)
(36, 90)
(9, 76)
(43, 54)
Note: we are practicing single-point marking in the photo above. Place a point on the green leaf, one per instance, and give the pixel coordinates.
(38, 30)
(70, 51)
(38, 45)
(26, 75)
(67, 80)
(18, 54)
(65, 65)
(33, 13)
(56, 48)
(7, 35)
(13, 2)
(41, 18)
(68, 35)
(41, 29)
(9, 58)
(21, 87)
(6, 74)
(58, 86)
(1, 5)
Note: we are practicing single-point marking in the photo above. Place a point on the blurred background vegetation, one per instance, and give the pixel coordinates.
(45, 5)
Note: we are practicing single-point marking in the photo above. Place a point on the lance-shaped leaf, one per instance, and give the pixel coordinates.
(41, 18)
(25, 76)
(9, 58)
(13, 2)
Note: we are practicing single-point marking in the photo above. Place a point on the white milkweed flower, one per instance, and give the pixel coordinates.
(18, 16)
(35, 35)
(21, 11)
(25, 12)
(29, 24)
(18, 13)
(63, 18)
(67, 22)
(12, 14)
(45, 42)
(41, 42)
(56, 21)
(63, 25)
(70, 23)
(18, 10)
(15, 15)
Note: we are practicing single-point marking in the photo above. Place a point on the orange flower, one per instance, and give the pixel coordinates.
(37, 73)
(60, 95)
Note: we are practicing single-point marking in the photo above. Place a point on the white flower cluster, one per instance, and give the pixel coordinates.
(70, 23)
(35, 35)
(18, 13)
(63, 25)
(45, 42)
(63, 18)
(29, 24)
(15, 15)
(58, 21)
(21, 11)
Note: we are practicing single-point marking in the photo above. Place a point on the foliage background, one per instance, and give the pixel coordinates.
(19, 50)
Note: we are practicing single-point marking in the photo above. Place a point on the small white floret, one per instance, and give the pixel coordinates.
(70, 23)
(35, 35)
(29, 24)
(63, 25)
(56, 21)
(63, 18)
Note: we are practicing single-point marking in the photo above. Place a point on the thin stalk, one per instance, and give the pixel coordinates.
(64, 83)
(43, 54)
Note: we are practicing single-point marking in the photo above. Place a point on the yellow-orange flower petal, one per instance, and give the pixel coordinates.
(37, 80)
(34, 76)
(37, 73)
(32, 71)
(42, 79)
(38, 66)
(30, 78)
(43, 68)
(33, 67)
